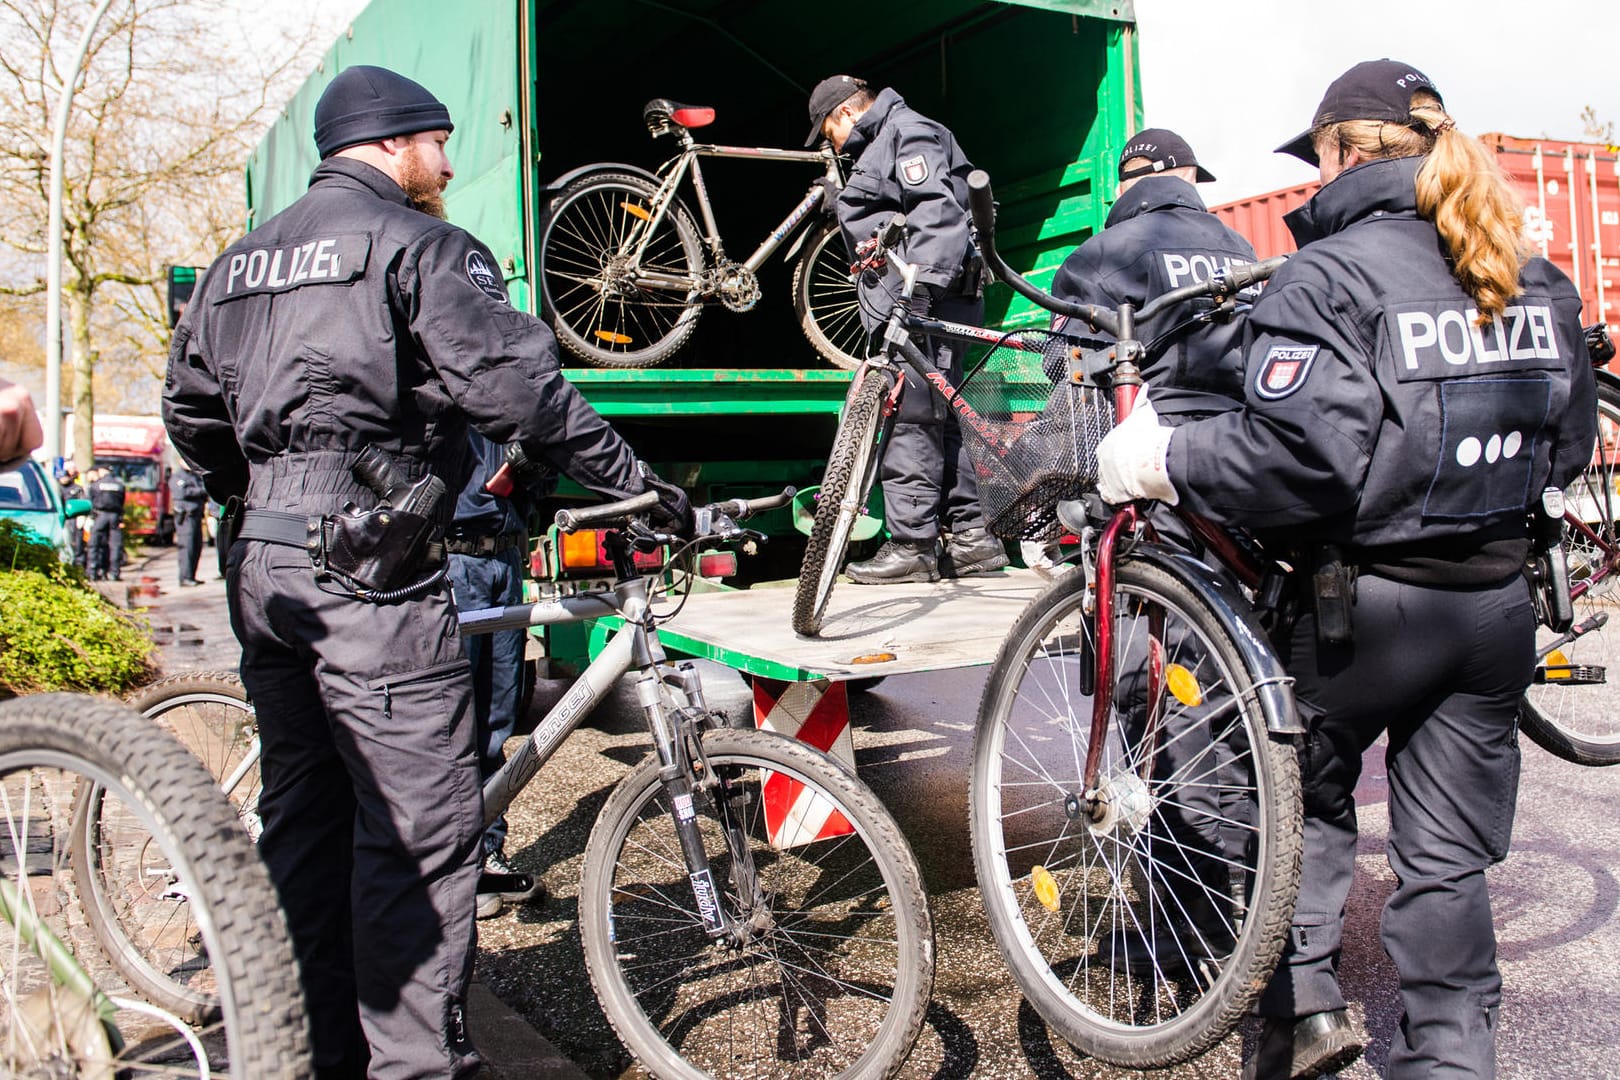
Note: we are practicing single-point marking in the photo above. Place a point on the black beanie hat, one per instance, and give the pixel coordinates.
(365, 104)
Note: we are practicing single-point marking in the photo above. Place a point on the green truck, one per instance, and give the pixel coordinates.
(1041, 93)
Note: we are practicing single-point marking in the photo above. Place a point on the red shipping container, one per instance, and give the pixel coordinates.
(1571, 193)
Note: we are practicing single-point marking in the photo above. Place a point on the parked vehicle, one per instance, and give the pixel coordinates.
(136, 449)
(30, 497)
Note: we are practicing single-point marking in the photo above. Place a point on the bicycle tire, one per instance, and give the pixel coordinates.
(1567, 712)
(587, 223)
(845, 485)
(209, 713)
(827, 302)
(688, 1006)
(53, 749)
(1189, 879)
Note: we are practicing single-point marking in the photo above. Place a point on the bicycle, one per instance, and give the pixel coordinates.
(722, 933)
(64, 1008)
(625, 273)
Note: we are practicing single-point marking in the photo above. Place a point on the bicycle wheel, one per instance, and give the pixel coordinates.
(1569, 710)
(601, 308)
(1141, 933)
(210, 713)
(830, 970)
(826, 300)
(851, 469)
(62, 1002)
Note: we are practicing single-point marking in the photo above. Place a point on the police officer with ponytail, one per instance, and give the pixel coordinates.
(325, 375)
(1412, 383)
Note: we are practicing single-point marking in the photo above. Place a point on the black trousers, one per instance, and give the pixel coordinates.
(188, 536)
(372, 809)
(107, 545)
(1443, 671)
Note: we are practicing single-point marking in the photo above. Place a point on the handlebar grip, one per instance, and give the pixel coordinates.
(892, 232)
(741, 508)
(982, 205)
(570, 520)
(1241, 277)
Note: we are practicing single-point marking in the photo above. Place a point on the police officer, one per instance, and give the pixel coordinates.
(488, 545)
(1411, 382)
(190, 502)
(72, 489)
(1159, 236)
(107, 526)
(356, 324)
(907, 163)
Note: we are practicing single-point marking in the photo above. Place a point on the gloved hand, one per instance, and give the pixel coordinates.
(829, 195)
(673, 513)
(536, 478)
(922, 302)
(1131, 458)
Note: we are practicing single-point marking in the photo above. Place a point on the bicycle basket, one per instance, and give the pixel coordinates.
(1032, 442)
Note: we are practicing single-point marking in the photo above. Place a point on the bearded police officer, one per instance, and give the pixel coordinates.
(1412, 384)
(330, 364)
(906, 163)
(190, 503)
(107, 526)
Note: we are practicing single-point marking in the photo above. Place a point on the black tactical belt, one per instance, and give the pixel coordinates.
(484, 545)
(279, 527)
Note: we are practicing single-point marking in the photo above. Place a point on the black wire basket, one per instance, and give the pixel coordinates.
(1030, 433)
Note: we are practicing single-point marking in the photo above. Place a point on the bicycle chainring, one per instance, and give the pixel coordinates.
(736, 286)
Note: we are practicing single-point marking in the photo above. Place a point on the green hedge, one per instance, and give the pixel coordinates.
(57, 633)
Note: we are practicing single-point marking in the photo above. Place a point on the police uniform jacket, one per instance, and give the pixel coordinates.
(907, 163)
(1158, 237)
(1379, 415)
(188, 491)
(107, 495)
(351, 319)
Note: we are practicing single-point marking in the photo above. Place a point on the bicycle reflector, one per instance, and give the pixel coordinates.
(612, 338)
(635, 211)
(717, 564)
(583, 550)
(1046, 887)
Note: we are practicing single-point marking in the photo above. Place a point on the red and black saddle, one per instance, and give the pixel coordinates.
(661, 112)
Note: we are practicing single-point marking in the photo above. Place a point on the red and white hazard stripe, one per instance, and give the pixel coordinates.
(816, 713)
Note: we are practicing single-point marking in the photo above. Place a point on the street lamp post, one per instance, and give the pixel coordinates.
(53, 258)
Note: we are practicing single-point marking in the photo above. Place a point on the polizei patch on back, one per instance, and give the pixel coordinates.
(480, 274)
(914, 170)
(1284, 370)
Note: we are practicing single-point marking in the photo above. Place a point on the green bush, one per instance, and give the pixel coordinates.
(56, 633)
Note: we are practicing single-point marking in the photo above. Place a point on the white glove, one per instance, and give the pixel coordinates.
(1131, 458)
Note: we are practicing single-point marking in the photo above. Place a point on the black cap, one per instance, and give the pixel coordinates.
(1372, 90)
(365, 104)
(1165, 149)
(829, 93)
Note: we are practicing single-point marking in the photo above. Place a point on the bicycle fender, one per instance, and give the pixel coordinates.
(1224, 598)
(557, 185)
(1609, 378)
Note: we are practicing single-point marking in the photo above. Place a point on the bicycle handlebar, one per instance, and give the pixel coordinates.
(571, 520)
(706, 517)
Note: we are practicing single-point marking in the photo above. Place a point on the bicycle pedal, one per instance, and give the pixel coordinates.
(1572, 675)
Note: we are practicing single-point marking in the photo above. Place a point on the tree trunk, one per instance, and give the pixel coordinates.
(82, 392)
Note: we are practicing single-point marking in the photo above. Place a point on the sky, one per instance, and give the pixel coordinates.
(1237, 80)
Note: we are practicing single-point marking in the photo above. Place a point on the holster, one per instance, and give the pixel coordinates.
(1333, 585)
(230, 523)
(378, 550)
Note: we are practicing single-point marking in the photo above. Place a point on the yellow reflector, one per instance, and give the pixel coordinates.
(873, 658)
(635, 211)
(1184, 685)
(580, 550)
(1046, 887)
(1556, 665)
(611, 338)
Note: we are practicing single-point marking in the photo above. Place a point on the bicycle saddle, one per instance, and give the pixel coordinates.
(660, 111)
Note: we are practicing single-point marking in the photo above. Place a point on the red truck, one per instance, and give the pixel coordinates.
(136, 449)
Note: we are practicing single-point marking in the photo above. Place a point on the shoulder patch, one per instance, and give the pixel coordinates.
(480, 274)
(1284, 370)
(914, 170)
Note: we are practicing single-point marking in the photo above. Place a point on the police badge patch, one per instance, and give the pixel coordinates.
(1284, 370)
(914, 170)
(479, 273)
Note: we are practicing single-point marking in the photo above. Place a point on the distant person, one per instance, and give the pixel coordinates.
(20, 432)
(72, 489)
(107, 529)
(190, 504)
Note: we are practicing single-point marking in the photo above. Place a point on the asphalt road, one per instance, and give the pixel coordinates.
(1555, 896)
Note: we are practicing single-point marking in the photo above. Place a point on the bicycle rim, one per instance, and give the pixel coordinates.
(1571, 710)
(603, 309)
(1142, 937)
(210, 714)
(834, 975)
(828, 302)
(77, 1017)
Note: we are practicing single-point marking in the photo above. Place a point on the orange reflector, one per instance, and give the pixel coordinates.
(1184, 684)
(612, 338)
(1046, 887)
(1556, 665)
(635, 211)
(717, 564)
(582, 550)
(874, 658)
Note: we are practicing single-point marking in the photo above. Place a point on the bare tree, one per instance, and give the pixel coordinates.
(172, 98)
(1595, 130)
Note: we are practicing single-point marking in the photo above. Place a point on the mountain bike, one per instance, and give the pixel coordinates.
(160, 826)
(747, 905)
(625, 273)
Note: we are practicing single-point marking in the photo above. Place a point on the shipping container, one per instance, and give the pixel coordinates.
(1571, 193)
(1041, 93)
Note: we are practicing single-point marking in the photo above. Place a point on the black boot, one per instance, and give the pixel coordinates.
(972, 551)
(1297, 1049)
(896, 561)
